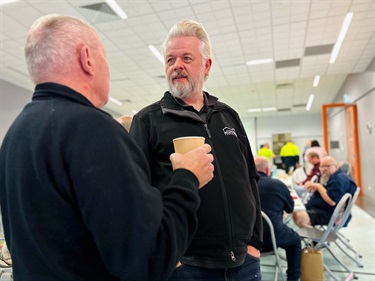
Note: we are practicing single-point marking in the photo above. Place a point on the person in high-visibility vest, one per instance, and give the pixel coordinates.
(290, 156)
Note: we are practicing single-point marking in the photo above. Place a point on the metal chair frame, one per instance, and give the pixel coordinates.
(275, 249)
(342, 238)
(322, 237)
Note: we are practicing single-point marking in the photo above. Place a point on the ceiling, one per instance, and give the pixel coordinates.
(297, 34)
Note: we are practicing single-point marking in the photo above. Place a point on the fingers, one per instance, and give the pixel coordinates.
(198, 161)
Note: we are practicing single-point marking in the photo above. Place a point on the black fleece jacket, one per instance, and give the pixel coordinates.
(229, 215)
(76, 198)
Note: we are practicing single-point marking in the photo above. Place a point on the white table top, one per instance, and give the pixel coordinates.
(288, 181)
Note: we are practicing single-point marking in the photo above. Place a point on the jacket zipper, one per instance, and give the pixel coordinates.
(226, 207)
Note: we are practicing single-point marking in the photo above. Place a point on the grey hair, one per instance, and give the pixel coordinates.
(190, 28)
(51, 45)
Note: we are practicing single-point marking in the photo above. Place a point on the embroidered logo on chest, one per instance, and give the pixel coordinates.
(229, 131)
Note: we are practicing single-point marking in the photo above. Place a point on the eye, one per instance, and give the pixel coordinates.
(170, 61)
(186, 58)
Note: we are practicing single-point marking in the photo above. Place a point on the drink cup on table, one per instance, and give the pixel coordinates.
(185, 144)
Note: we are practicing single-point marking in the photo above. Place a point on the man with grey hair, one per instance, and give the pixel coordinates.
(229, 236)
(75, 189)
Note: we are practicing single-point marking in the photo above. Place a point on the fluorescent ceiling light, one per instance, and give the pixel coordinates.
(340, 39)
(156, 53)
(262, 109)
(316, 81)
(115, 101)
(254, 110)
(115, 7)
(261, 61)
(2, 2)
(309, 103)
(269, 109)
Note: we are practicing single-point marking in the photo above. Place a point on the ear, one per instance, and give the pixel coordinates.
(86, 60)
(268, 170)
(207, 66)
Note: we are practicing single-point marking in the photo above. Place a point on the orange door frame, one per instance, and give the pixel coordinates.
(353, 119)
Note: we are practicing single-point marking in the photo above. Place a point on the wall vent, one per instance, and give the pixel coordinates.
(318, 50)
(287, 63)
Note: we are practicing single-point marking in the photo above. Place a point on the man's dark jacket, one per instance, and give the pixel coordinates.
(229, 216)
(76, 198)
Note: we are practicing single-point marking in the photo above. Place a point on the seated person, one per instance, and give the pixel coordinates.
(313, 158)
(315, 147)
(275, 199)
(325, 196)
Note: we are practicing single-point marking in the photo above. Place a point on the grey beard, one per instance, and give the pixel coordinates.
(181, 91)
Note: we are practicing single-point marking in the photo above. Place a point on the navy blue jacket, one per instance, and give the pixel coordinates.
(338, 184)
(229, 215)
(76, 198)
(275, 198)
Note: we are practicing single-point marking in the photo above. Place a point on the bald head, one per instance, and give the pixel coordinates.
(262, 164)
(328, 165)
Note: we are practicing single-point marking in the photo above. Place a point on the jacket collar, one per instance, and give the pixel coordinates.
(176, 106)
(48, 90)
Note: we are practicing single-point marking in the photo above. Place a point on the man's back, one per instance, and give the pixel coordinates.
(275, 199)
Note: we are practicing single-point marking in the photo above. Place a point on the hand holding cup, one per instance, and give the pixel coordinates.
(195, 157)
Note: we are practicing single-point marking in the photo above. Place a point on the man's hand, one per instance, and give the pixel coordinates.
(198, 161)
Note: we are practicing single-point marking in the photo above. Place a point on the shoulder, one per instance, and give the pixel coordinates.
(146, 111)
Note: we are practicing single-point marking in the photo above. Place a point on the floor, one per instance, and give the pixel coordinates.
(361, 233)
(367, 204)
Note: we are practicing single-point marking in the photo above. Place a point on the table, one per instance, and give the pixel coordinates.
(298, 205)
(288, 181)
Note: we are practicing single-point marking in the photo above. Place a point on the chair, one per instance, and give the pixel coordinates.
(346, 167)
(320, 238)
(274, 246)
(342, 238)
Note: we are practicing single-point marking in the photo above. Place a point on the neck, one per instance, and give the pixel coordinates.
(196, 100)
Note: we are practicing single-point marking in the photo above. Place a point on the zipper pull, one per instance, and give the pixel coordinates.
(232, 256)
(207, 130)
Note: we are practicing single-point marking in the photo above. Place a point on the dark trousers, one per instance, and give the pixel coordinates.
(248, 271)
(289, 240)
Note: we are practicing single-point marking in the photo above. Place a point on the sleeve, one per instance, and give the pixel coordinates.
(140, 233)
(141, 134)
(257, 238)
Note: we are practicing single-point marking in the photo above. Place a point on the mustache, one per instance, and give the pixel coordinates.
(180, 74)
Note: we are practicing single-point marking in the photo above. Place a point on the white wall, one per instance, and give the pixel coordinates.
(301, 128)
(12, 101)
(359, 88)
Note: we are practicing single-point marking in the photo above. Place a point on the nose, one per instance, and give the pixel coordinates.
(178, 64)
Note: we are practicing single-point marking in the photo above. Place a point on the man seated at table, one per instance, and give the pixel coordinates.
(325, 196)
(275, 199)
(313, 159)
